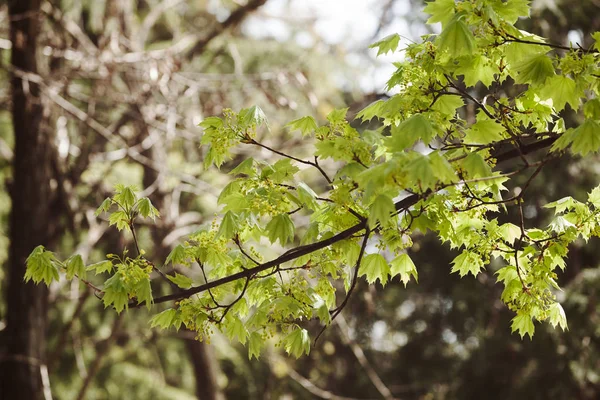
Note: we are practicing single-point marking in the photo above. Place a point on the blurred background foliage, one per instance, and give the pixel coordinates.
(126, 84)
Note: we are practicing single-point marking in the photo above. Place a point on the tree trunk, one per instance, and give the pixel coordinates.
(22, 365)
(205, 368)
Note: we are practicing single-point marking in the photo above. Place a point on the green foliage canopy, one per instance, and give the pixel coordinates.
(430, 167)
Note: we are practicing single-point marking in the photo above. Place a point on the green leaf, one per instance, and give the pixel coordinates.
(181, 280)
(591, 109)
(561, 90)
(507, 274)
(229, 226)
(557, 316)
(146, 209)
(253, 116)
(562, 205)
(523, 324)
(586, 138)
(166, 319)
(234, 328)
(594, 197)
(477, 68)
(404, 266)
(596, 37)
(511, 10)
(337, 116)
(371, 111)
(321, 310)
(143, 292)
(246, 167)
(380, 210)
(466, 262)
(421, 171)
(211, 123)
(120, 219)
(534, 69)
(560, 224)
(408, 132)
(475, 166)
(305, 125)
(456, 38)
(442, 169)
(104, 207)
(177, 256)
(255, 345)
(509, 232)
(283, 170)
(375, 267)
(387, 44)
(75, 267)
(41, 267)
(281, 228)
(125, 196)
(100, 267)
(448, 104)
(115, 293)
(307, 196)
(485, 131)
(440, 10)
(297, 342)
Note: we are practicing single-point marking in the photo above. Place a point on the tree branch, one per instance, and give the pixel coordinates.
(234, 19)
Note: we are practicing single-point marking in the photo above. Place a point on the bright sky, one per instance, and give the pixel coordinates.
(348, 23)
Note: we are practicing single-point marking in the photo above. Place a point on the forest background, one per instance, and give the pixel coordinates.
(112, 92)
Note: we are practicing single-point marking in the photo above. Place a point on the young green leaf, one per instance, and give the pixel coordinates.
(534, 69)
(556, 316)
(104, 207)
(143, 292)
(523, 324)
(177, 256)
(125, 196)
(387, 44)
(440, 10)
(485, 131)
(456, 38)
(146, 209)
(408, 132)
(115, 293)
(75, 267)
(297, 342)
(375, 267)
(561, 90)
(120, 219)
(180, 280)
(255, 345)
(229, 225)
(166, 319)
(404, 266)
(41, 266)
(466, 262)
(253, 116)
(381, 210)
(281, 228)
(305, 125)
(100, 267)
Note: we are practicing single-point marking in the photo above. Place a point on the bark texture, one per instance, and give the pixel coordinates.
(22, 363)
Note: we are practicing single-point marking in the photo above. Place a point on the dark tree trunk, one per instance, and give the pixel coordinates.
(205, 367)
(22, 364)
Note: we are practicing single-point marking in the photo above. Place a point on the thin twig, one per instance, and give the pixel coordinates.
(314, 164)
